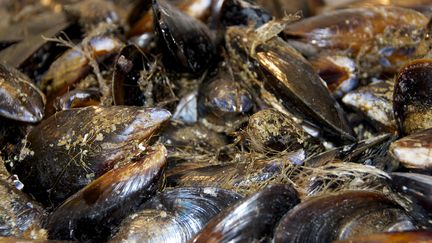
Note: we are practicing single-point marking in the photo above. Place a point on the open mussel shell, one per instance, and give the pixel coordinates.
(417, 190)
(223, 104)
(91, 213)
(374, 102)
(291, 79)
(271, 130)
(186, 42)
(20, 99)
(412, 99)
(392, 237)
(20, 216)
(181, 213)
(341, 216)
(251, 219)
(414, 151)
(238, 12)
(73, 147)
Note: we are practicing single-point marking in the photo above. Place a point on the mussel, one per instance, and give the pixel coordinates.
(94, 211)
(20, 99)
(181, 213)
(336, 217)
(251, 219)
(73, 147)
(412, 97)
(287, 76)
(187, 44)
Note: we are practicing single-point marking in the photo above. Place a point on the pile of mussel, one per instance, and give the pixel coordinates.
(215, 121)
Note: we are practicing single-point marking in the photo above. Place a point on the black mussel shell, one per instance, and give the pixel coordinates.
(341, 216)
(186, 42)
(94, 211)
(73, 147)
(373, 151)
(412, 98)
(223, 104)
(417, 190)
(20, 99)
(139, 79)
(127, 73)
(251, 219)
(20, 216)
(239, 12)
(290, 78)
(181, 213)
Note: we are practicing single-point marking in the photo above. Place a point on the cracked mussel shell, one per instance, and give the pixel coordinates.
(181, 213)
(73, 147)
(93, 212)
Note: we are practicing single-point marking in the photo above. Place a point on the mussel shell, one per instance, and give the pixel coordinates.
(335, 217)
(412, 97)
(270, 130)
(372, 151)
(20, 216)
(352, 28)
(73, 147)
(251, 219)
(392, 237)
(223, 104)
(125, 88)
(375, 103)
(181, 213)
(291, 79)
(417, 189)
(91, 213)
(78, 98)
(194, 136)
(339, 73)
(414, 151)
(32, 44)
(20, 100)
(187, 43)
(239, 12)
